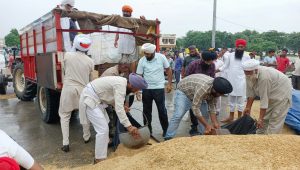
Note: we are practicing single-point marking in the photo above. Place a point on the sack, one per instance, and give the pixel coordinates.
(242, 126)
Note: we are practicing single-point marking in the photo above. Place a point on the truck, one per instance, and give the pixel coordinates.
(40, 73)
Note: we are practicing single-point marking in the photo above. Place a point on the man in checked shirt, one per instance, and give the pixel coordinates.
(190, 93)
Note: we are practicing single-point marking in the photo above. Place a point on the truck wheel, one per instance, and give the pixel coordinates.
(3, 84)
(47, 104)
(25, 90)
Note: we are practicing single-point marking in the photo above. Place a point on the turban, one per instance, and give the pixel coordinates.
(240, 42)
(137, 81)
(82, 42)
(222, 85)
(127, 8)
(66, 2)
(7, 163)
(207, 55)
(250, 65)
(148, 48)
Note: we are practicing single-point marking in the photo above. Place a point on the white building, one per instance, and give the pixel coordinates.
(168, 41)
(2, 43)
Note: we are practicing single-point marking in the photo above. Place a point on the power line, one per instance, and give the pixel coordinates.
(234, 23)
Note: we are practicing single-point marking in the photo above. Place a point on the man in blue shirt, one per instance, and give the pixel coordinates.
(178, 67)
(270, 60)
(151, 67)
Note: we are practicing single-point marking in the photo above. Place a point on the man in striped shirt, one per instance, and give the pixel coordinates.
(191, 91)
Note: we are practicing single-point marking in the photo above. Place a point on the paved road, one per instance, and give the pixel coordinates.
(23, 123)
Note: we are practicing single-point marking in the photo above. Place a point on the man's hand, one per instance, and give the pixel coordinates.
(208, 129)
(247, 111)
(217, 71)
(133, 131)
(126, 108)
(217, 125)
(169, 88)
(260, 124)
(116, 44)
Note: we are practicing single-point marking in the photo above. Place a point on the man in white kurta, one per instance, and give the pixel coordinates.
(275, 91)
(236, 77)
(100, 93)
(78, 68)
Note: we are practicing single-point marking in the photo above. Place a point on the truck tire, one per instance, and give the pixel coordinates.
(3, 85)
(25, 90)
(47, 103)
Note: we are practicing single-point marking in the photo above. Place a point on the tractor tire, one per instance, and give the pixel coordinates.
(25, 90)
(3, 85)
(47, 103)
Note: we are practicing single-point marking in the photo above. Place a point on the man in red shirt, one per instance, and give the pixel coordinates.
(283, 61)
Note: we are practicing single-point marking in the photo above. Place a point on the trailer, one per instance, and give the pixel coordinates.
(40, 72)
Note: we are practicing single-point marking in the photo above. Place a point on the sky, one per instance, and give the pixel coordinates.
(176, 16)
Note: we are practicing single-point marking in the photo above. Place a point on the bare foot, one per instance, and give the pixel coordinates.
(228, 120)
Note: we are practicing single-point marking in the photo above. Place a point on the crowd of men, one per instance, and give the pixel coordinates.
(206, 83)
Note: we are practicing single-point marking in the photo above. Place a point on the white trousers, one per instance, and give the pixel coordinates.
(98, 120)
(238, 101)
(65, 125)
(275, 117)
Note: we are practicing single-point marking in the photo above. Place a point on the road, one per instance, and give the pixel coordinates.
(23, 123)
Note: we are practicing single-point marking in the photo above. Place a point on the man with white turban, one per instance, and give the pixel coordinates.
(68, 23)
(274, 90)
(78, 68)
(151, 67)
(100, 93)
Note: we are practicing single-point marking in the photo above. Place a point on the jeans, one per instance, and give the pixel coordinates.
(158, 95)
(182, 105)
(177, 76)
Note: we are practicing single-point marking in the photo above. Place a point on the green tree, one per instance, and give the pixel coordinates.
(12, 39)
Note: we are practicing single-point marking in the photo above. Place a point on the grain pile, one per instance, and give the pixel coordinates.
(214, 152)
(7, 96)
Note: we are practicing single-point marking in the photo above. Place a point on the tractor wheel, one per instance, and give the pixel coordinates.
(47, 103)
(3, 84)
(25, 90)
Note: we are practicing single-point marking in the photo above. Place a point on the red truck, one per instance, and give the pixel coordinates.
(40, 72)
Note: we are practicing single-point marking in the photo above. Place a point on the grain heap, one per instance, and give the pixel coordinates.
(214, 152)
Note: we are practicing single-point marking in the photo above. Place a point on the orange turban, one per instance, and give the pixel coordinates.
(240, 42)
(127, 8)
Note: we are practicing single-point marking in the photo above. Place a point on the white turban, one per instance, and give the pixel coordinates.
(82, 42)
(66, 2)
(148, 48)
(250, 65)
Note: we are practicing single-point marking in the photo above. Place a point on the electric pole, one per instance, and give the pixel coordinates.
(213, 40)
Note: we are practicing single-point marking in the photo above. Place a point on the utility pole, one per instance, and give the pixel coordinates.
(213, 40)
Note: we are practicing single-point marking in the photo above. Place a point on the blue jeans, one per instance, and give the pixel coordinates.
(177, 76)
(182, 105)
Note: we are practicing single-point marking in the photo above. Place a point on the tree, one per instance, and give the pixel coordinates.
(12, 39)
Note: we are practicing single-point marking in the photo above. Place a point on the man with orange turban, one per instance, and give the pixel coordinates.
(236, 77)
(126, 43)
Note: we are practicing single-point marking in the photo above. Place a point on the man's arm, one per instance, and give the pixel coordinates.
(116, 40)
(169, 73)
(250, 101)
(260, 122)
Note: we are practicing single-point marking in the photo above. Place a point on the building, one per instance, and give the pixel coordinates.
(168, 41)
(2, 43)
